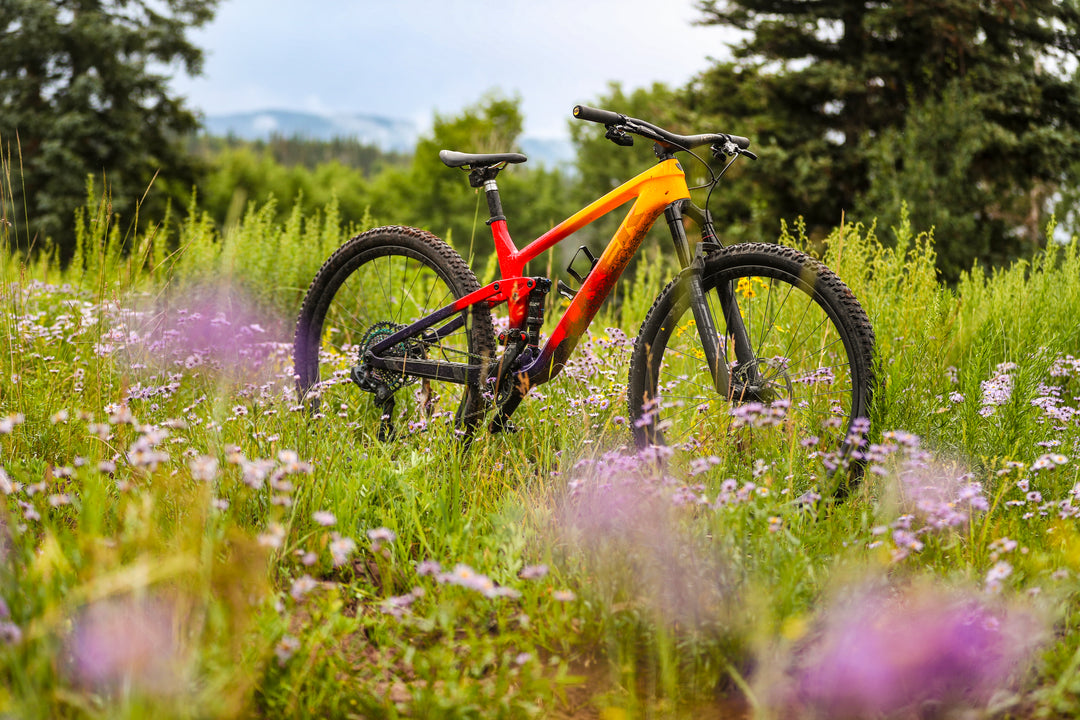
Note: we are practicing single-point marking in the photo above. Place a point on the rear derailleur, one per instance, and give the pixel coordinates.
(383, 383)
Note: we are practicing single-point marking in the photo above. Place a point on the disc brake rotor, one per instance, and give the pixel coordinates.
(770, 382)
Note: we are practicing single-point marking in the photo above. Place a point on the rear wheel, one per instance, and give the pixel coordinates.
(376, 283)
(810, 379)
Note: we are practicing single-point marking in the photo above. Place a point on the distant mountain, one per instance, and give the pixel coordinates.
(548, 151)
(388, 134)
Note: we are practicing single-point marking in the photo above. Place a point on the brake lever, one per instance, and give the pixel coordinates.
(619, 136)
(730, 149)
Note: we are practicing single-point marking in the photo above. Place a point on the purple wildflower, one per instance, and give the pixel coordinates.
(428, 567)
(400, 605)
(302, 586)
(533, 572)
(997, 390)
(624, 519)
(378, 536)
(341, 548)
(204, 468)
(882, 654)
(464, 576)
(324, 518)
(286, 648)
(118, 644)
(273, 537)
(996, 574)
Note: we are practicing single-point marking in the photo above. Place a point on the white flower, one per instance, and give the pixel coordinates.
(996, 574)
(324, 518)
(8, 423)
(204, 468)
(341, 548)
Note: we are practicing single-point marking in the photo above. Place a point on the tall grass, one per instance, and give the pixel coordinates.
(179, 539)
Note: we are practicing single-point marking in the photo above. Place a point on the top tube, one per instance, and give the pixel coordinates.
(656, 188)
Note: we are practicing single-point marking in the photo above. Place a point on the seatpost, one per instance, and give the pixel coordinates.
(491, 189)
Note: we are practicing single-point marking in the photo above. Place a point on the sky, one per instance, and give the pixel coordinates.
(408, 59)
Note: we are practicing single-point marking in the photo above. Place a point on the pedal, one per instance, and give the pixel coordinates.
(566, 291)
(502, 424)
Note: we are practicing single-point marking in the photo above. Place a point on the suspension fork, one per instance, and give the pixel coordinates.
(692, 272)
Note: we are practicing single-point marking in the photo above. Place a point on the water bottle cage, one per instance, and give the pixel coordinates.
(565, 289)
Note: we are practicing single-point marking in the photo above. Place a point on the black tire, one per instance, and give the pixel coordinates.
(389, 275)
(793, 308)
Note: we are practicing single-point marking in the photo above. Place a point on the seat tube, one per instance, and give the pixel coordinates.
(510, 264)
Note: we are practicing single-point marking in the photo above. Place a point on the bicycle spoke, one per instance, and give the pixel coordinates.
(783, 304)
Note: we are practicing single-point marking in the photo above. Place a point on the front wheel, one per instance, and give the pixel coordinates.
(806, 373)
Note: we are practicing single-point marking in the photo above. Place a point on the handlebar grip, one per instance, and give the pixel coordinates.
(742, 142)
(605, 117)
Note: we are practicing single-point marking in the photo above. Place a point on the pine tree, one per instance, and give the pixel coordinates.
(84, 92)
(842, 76)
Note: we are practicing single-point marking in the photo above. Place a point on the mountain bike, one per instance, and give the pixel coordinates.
(748, 337)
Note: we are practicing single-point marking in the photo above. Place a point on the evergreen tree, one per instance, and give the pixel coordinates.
(840, 78)
(84, 91)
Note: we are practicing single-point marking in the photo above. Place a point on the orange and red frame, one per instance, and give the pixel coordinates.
(662, 188)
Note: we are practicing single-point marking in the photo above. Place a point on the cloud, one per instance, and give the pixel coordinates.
(410, 58)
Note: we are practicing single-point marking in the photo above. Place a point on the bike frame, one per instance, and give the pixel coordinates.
(661, 189)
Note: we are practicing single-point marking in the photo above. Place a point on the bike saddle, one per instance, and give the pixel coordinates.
(459, 159)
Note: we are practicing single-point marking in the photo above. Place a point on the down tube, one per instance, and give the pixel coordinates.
(593, 292)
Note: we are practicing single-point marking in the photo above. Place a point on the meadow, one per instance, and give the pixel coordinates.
(181, 539)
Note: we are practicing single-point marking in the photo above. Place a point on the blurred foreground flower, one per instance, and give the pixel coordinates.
(880, 654)
(122, 644)
(625, 522)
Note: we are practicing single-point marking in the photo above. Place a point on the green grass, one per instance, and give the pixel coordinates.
(168, 549)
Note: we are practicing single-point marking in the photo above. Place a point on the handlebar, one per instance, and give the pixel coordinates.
(665, 138)
(596, 115)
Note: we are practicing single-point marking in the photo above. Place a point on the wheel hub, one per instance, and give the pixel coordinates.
(765, 381)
